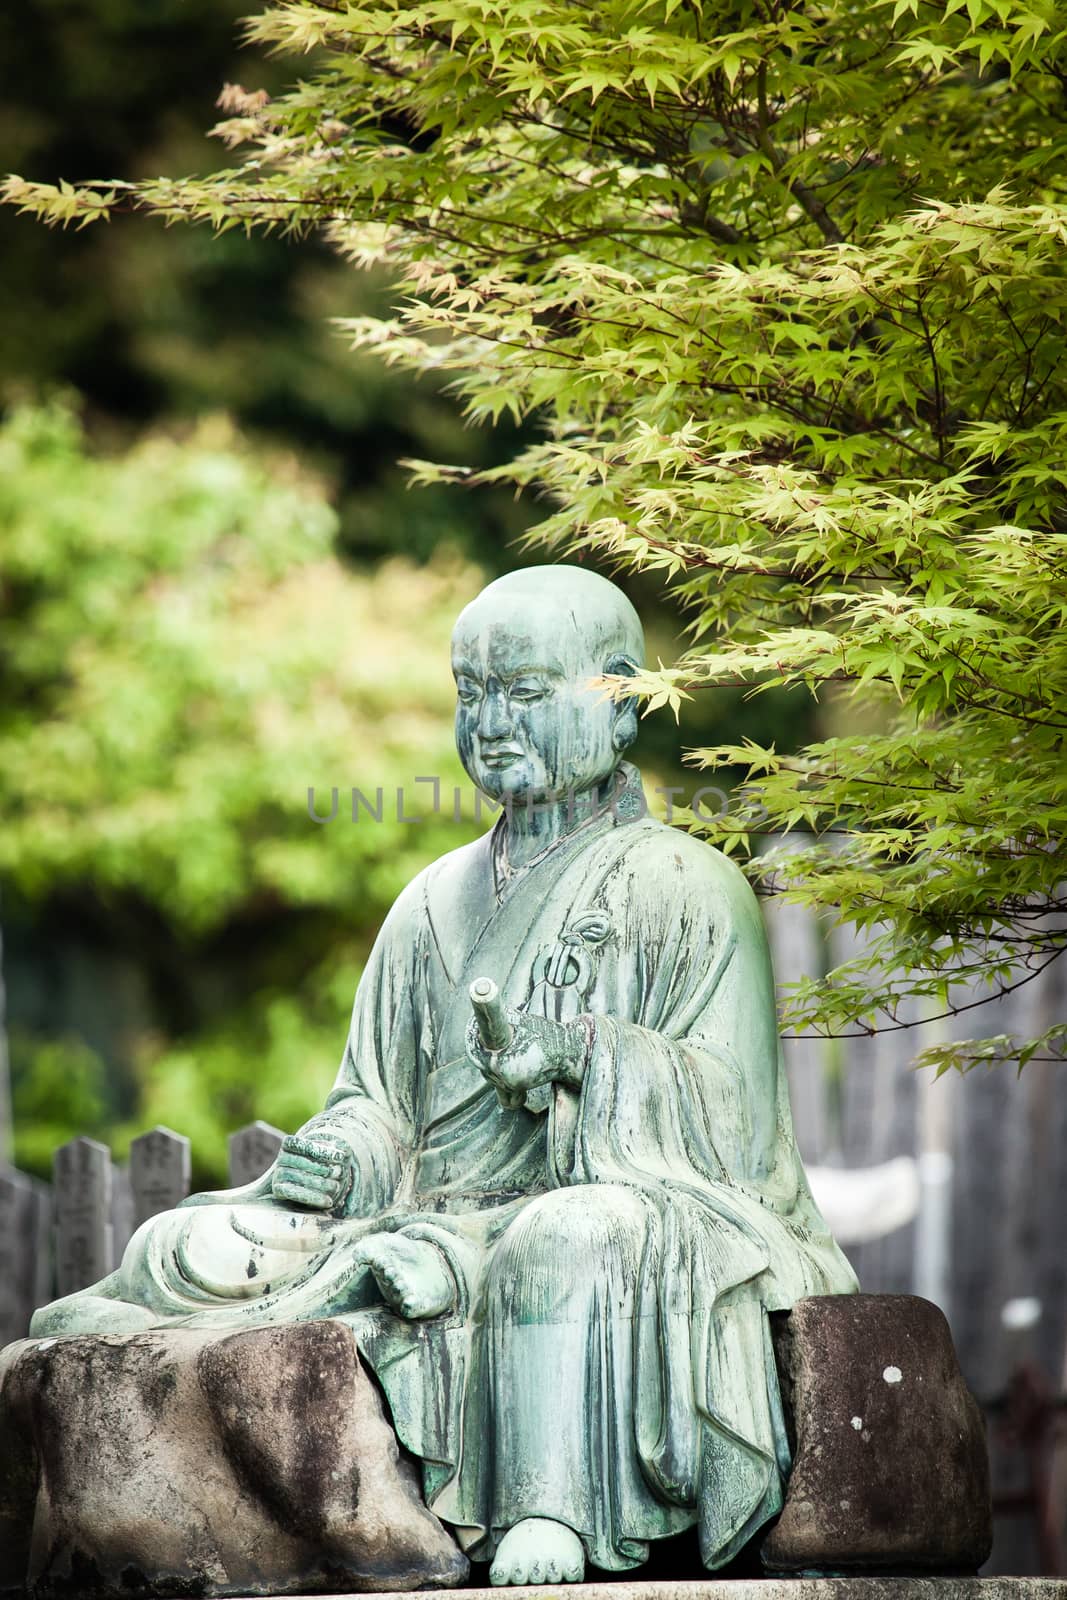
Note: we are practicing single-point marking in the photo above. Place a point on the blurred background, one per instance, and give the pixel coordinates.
(217, 593)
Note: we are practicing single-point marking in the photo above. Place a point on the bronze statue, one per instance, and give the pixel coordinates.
(557, 1219)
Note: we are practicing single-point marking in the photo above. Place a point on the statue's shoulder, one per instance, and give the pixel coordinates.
(446, 870)
(663, 845)
(466, 858)
(453, 864)
(455, 875)
(668, 861)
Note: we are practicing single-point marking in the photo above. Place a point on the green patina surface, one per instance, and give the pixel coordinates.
(559, 1256)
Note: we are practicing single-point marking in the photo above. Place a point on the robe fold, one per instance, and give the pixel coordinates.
(616, 1250)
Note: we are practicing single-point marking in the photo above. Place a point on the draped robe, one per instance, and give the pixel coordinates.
(616, 1249)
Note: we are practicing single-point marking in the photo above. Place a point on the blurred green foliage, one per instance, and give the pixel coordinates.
(194, 627)
(60, 1090)
(182, 657)
(149, 324)
(182, 648)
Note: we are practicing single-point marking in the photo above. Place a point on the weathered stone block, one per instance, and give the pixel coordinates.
(180, 1463)
(890, 1467)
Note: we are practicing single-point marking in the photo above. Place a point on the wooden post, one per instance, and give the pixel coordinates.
(252, 1151)
(160, 1167)
(879, 1123)
(23, 1243)
(797, 951)
(41, 1272)
(1008, 1196)
(121, 1210)
(6, 1121)
(82, 1196)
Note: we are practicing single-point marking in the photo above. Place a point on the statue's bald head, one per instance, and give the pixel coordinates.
(523, 653)
(577, 612)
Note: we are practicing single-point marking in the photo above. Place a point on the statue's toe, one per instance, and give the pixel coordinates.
(538, 1550)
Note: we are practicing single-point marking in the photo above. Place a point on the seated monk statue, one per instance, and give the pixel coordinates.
(557, 1243)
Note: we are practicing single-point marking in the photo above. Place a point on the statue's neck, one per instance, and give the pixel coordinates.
(530, 830)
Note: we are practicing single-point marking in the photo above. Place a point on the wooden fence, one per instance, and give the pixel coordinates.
(986, 1241)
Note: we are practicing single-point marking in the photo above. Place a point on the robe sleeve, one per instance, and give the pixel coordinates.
(683, 1060)
(683, 1086)
(373, 1107)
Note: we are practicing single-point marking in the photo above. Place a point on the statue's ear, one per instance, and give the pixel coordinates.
(624, 730)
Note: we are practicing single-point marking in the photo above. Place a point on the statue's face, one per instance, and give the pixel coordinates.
(527, 724)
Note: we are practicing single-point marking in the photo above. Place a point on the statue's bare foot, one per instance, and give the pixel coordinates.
(411, 1275)
(537, 1550)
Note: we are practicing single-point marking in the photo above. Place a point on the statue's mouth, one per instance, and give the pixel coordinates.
(503, 756)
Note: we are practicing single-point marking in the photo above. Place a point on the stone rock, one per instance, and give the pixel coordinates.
(179, 1463)
(890, 1467)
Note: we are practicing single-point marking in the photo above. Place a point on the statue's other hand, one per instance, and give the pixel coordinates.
(412, 1274)
(540, 1051)
(318, 1173)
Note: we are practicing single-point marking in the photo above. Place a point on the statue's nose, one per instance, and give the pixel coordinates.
(493, 720)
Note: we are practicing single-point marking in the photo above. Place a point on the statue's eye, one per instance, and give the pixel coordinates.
(527, 689)
(468, 691)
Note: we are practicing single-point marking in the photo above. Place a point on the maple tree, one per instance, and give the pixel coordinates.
(783, 287)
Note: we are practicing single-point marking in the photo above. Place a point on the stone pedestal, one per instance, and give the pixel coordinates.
(181, 1464)
(890, 1469)
(711, 1588)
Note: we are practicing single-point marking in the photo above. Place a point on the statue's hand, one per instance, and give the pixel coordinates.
(317, 1172)
(540, 1051)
